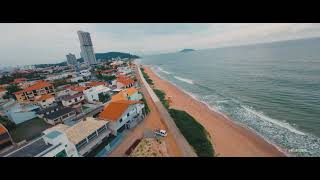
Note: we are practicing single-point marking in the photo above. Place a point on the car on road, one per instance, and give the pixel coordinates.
(161, 132)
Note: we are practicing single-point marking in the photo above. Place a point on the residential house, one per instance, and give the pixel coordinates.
(2, 92)
(76, 79)
(124, 82)
(70, 100)
(29, 94)
(19, 112)
(92, 94)
(51, 144)
(57, 114)
(122, 114)
(124, 70)
(108, 72)
(59, 76)
(19, 80)
(86, 135)
(46, 100)
(5, 138)
(96, 83)
(85, 73)
(127, 94)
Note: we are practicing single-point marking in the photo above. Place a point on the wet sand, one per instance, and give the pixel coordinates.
(228, 138)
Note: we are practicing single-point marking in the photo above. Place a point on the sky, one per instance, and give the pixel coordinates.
(40, 43)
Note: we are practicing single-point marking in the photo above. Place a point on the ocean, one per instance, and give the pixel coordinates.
(271, 88)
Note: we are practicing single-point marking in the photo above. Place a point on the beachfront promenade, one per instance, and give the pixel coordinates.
(183, 145)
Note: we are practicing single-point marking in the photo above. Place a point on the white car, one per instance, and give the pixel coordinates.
(161, 132)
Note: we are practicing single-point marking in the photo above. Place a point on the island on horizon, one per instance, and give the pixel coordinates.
(187, 50)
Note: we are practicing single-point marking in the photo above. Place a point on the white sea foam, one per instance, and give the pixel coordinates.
(160, 69)
(189, 81)
(274, 121)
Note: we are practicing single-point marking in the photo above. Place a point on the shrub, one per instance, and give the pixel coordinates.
(194, 132)
(162, 96)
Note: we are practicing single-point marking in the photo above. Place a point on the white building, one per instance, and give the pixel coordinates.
(85, 73)
(46, 100)
(86, 135)
(72, 99)
(76, 79)
(59, 76)
(92, 94)
(122, 114)
(124, 70)
(87, 52)
(52, 144)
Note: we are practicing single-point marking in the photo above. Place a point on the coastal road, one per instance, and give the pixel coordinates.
(152, 121)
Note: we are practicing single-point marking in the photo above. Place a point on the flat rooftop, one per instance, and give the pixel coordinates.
(32, 149)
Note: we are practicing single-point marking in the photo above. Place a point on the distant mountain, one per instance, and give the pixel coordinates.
(187, 50)
(110, 55)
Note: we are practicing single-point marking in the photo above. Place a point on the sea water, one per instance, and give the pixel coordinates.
(273, 88)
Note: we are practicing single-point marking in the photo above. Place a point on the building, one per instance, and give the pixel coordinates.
(95, 84)
(30, 94)
(71, 59)
(57, 114)
(127, 94)
(76, 79)
(51, 144)
(124, 70)
(46, 100)
(60, 76)
(87, 52)
(122, 114)
(5, 138)
(92, 94)
(70, 100)
(2, 92)
(85, 73)
(19, 113)
(124, 82)
(86, 135)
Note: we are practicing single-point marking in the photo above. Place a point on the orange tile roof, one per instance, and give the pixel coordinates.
(19, 80)
(130, 91)
(125, 80)
(40, 84)
(77, 88)
(94, 84)
(2, 90)
(119, 96)
(44, 97)
(2, 129)
(114, 110)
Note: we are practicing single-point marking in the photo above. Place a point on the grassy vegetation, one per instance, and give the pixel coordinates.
(194, 132)
(162, 96)
(146, 77)
(29, 129)
(147, 109)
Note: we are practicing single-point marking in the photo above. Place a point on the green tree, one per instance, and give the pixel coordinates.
(13, 88)
(104, 97)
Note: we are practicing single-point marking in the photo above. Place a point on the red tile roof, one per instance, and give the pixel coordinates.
(125, 80)
(114, 110)
(2, 129)
(19, 80)
(77, 88)
(94, 84)
(40, 84)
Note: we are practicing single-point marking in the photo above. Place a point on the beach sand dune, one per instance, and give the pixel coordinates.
(228, 138)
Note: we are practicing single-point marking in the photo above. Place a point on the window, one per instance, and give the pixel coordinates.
(70, 101)
(92, 136)
(120, 120)
(81, 144)
(128, 114)
(102, 129)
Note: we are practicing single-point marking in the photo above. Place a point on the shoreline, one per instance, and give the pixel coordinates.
(254, 143)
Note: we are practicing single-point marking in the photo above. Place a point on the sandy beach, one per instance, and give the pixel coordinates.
(228, 138)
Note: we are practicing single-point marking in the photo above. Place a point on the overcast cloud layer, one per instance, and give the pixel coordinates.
(49, 43)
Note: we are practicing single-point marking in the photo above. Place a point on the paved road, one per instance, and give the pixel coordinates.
(185, 147)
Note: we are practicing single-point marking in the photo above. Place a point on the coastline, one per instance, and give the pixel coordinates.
(229, 138)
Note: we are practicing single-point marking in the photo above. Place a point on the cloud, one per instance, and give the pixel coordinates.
(49, 43)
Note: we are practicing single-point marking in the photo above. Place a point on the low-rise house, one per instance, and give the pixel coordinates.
(31, 93)
(5, 138)
(70, 100)
(52, 144)
(124, 82)
(19, 113)
(59, 76)
(85, 73)
(124, 70)
(127, 94)
(3, 92)
(46, 100)
(108, 72)
(19, 80)
(86, 135)
(77, 88)
(57, 114)
(122, 114)
(95, 84)
(76, 79)
(92, 94)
